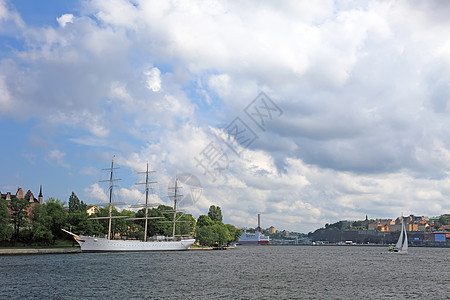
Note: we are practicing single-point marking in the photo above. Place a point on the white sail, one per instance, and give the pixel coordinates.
(405, 242)
(402, 244)
(400, 239)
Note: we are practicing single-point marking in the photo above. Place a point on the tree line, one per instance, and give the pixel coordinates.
(41, 224)
(211, 231)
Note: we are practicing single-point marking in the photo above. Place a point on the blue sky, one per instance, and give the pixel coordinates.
(356, 119)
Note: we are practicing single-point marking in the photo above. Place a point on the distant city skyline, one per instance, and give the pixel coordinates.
(306, 112)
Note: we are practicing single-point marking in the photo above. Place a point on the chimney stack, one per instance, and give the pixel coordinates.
(259, 223)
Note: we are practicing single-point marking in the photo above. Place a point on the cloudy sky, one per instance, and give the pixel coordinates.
(307, 112)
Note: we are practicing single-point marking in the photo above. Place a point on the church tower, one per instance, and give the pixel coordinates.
(40, 197)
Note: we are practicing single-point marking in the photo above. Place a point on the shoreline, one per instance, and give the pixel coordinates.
(74, 250)
(40, 251)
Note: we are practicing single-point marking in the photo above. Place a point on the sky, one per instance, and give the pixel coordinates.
(307, 112)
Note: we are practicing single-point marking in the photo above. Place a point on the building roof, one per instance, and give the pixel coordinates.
(19, 194)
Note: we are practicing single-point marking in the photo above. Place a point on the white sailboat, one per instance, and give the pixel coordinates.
(402, 244)
(106, 244)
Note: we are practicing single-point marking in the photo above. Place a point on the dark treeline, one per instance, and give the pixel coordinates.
(39, 224)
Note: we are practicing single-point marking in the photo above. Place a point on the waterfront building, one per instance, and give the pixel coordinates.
(412, 223)
(272, 230)
(27, 196)
(444, 228)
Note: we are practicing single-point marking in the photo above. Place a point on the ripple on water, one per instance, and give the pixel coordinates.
(244, 273)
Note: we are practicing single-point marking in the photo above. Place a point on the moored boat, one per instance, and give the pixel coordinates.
(97, 244)
(253, 239)
(106, 244)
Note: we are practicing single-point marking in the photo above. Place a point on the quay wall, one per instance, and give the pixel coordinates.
(40, 251)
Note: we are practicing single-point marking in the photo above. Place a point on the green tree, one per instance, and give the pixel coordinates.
(40, 226)
(443, 220)
(204, 220)
(234, 233)
(54, 209)
(19, 215)
(103, 212)
(222, 234)
(78, 219)
(206, 236)
(75, 205)
(338, 225)
(119, 226)
(130, 229)
(215, 213)
(162, 226)
(79, 222)
(186, 226)
(6, 230)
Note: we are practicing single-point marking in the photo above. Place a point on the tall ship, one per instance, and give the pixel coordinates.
(107, 244)
(257, 238)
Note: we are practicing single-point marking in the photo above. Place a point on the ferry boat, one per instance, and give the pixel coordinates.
(257, 238)
(106, 244)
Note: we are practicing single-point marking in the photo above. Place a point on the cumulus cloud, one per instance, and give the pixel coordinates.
(363, 88)
(64, 19)
(153, 79)
(96, 193)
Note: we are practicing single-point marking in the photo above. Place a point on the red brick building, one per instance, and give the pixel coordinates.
(21, 195)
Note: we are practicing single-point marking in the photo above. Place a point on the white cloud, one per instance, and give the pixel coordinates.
(95, 194)
(57, 156)
(5, 97)
(7, 14)
(153, 79)
(64, 19)
(84, 119)
(119, 91)
(364, 90)
(220, 84)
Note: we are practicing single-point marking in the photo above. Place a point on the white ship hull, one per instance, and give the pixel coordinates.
(94, 244)
(256, 238)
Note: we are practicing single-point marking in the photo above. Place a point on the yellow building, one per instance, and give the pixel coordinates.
(272, 230)
(91, 209)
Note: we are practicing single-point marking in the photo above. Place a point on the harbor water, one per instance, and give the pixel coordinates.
(269, 272)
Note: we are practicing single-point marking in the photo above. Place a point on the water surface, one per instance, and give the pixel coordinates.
(282, 272)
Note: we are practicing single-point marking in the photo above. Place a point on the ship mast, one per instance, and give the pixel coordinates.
(174, 208)
(175, 195)
(110, 194)
(147, 186)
